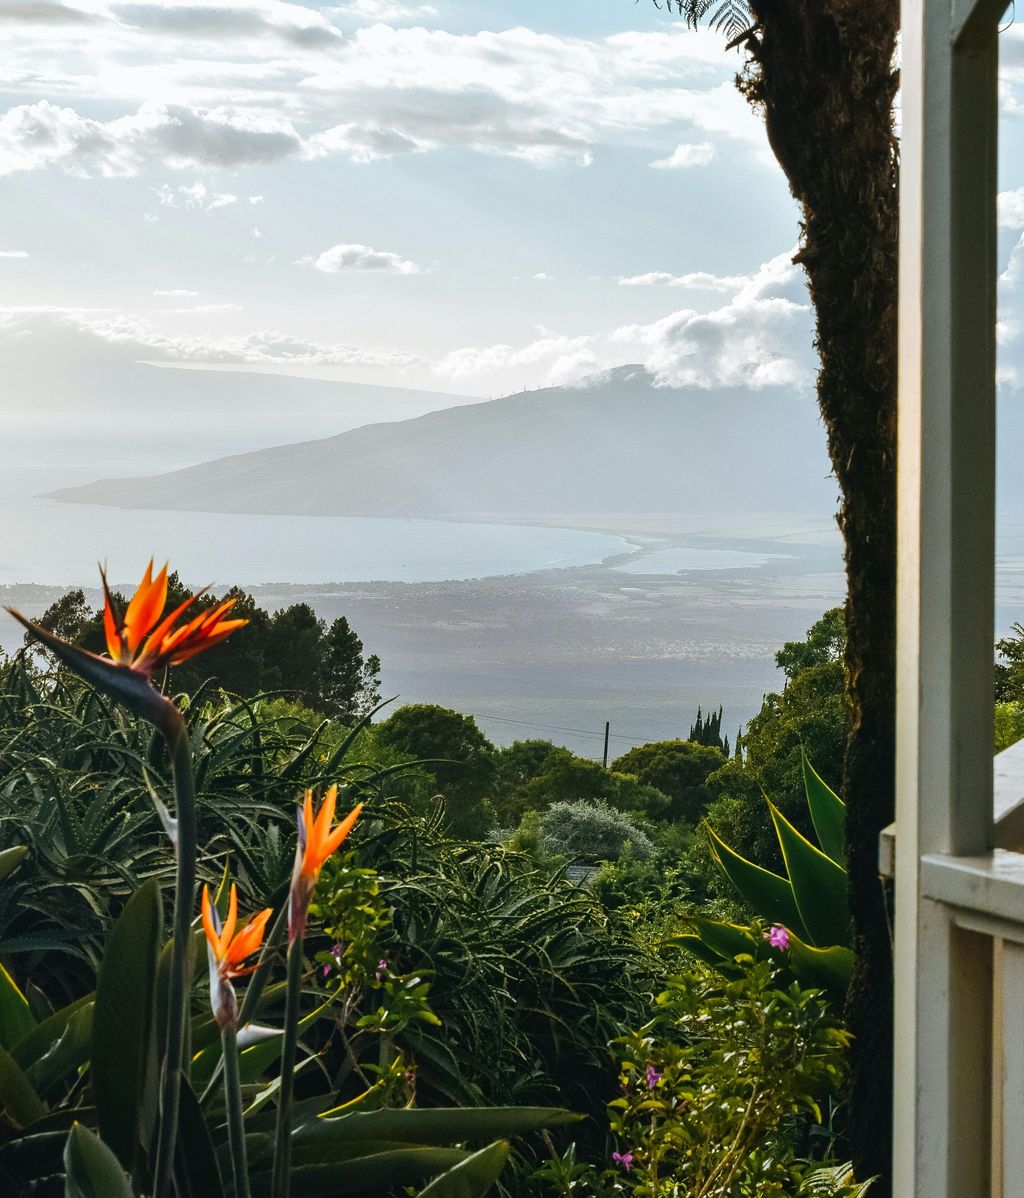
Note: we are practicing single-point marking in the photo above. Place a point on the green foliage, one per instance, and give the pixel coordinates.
(562, 777)
(591, 832)
(679, 769)
(91, 1068)
(707, 730)
(809, 900)
(809, 716)
(725, 1092)
(457, 755)
(1009, 724)
(291, 650)
(1009, 667)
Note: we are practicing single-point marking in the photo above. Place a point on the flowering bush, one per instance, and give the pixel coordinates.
(726, 1093)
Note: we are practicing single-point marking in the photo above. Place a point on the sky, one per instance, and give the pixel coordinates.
(458, 196)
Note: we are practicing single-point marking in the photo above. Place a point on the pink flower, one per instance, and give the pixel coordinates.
(653, 1077)
(777, 937)
(625, 1159)
(381, 966)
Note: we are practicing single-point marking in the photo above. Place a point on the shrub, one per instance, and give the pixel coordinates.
(678, 768)
(591, 831)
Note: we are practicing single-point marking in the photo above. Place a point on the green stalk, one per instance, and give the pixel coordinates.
(233, 1102)
(283, 1143)
(174, 731)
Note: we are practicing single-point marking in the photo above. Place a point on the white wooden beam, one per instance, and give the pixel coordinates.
(943, 1077)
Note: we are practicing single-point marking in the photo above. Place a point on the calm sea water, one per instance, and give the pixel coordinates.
(59, 544)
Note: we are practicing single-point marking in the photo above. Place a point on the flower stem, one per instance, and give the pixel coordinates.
(233, 1103)
(172, 726)
(282, 1144)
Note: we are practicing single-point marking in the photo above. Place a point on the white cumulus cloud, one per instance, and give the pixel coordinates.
(14, 254)
(389, 12)
(195, 196)
(345, 257)
(685, 155)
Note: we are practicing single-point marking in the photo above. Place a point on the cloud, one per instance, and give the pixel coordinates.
(194, 196)
(1011, 209)
(541, 277)
(229, 20)
(139, 339)
(698, 279)
(684, 155)
(198, 85)
(205, 310)
(255, 199)
(340, 258)
(181, 292)
(14, 254)
(761, 337)
(388, 12)
(35, 136)
(44, 14)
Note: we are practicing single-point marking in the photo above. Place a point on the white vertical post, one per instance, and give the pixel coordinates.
(1010, 1064)
(945, 588)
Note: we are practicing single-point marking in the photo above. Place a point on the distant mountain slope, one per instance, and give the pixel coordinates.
(620, 445)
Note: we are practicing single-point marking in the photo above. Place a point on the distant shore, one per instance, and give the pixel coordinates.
(554, 653)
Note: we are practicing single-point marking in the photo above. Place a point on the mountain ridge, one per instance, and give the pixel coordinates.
(616, 443)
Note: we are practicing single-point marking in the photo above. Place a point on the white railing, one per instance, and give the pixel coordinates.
(984, 895)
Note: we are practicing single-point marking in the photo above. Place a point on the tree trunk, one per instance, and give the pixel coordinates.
(821, 72)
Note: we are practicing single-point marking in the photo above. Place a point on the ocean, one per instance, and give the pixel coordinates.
(59, 544)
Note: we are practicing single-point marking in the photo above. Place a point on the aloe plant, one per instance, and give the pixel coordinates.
(78, 1097)
(807, 907)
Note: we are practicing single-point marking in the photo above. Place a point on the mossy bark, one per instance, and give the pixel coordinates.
(821, 72)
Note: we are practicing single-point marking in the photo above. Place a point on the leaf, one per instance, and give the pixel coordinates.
(18, 1099)
(67, 1054)
(828, 813)
(374, 1174)
(16, 1018)
(92, 1169)
(728, 940)
(473, 1177)
(44, 1036)
(827, 969)
(769, 895)
(704, 952)
(819, 885)
(431, 1126)
(10, 859)
(196, 1173)
(123, 1023)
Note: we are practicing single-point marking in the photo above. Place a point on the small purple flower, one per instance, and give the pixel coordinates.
(381, 966)
(777, 937)
(653, 1077)
(326, 970)
(336, 952)
(625, 1159)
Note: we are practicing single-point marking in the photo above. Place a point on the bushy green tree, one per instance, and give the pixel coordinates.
(679, 769)
(810, 713)
(291, 650)
(460, 759)
(564, 777)
(593, 831)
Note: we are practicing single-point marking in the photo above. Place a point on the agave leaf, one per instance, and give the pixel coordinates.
(92, 1170)
(704, 952)
(770, 895)
(729, 940)
(828, 813)
(196, 1173)
(16, 1018)
(18, 1099)
(827, 969)
(473, 1177)
(124, 1051)
(819, 885)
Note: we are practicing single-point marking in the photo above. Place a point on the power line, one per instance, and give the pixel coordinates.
(636, 740)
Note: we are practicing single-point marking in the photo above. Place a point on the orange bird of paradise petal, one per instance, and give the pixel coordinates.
(320, 839)
(230, 949)
(145, 640)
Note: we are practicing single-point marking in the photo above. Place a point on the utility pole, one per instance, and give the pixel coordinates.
(607, 730)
